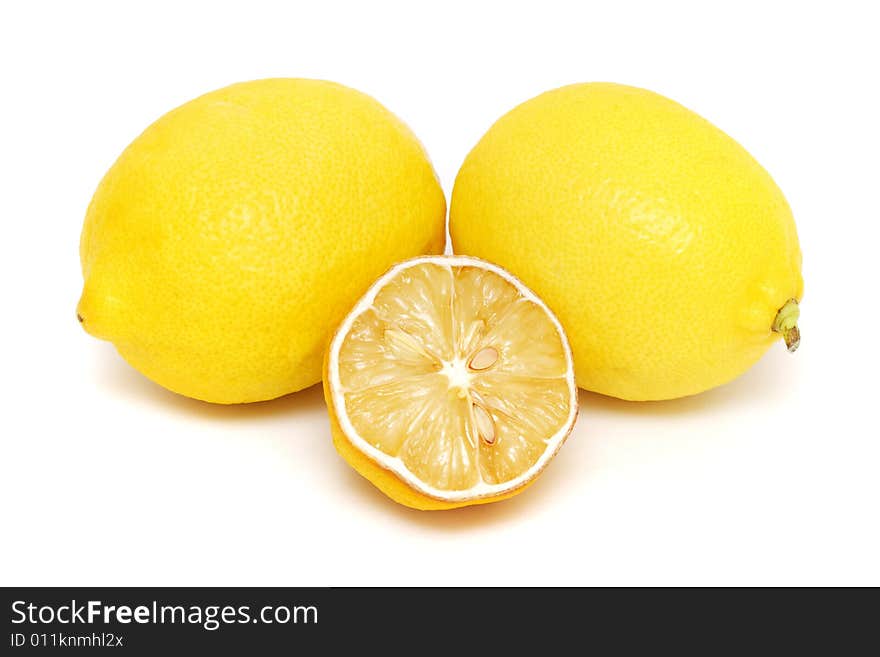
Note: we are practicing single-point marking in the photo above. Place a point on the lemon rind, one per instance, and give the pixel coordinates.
(394, 464)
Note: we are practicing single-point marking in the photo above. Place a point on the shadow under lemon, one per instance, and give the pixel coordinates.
(125, 381)
(771, 379)
(768, 380)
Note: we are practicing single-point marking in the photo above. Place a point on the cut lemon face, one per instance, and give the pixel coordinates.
(450, 383)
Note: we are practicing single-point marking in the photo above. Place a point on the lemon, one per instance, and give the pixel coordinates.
(666, 250)
(229, 239)
(450, 383)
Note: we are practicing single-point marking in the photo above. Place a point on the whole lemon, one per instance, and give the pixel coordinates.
(666, 250)
(229, 239)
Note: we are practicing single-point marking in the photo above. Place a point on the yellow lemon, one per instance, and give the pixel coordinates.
(666, 250)
(229, 239)
(450, 383)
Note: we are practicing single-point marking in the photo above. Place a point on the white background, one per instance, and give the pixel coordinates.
(107, 479)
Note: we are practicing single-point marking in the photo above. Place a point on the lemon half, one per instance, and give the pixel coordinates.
(450, 383)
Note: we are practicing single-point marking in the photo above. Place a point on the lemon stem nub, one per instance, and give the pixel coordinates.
(786, 323)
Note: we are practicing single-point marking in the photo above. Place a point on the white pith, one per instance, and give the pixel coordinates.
(458, 375)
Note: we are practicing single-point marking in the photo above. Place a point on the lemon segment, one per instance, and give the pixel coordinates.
(454, 377)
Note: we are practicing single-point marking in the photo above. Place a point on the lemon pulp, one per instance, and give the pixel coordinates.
(455, 377)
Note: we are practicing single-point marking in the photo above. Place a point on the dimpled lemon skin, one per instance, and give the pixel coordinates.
(226, 242)
(663, 247)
